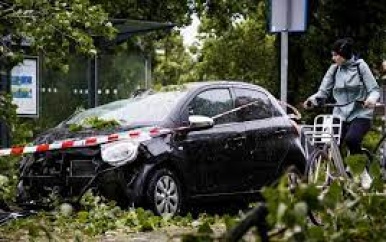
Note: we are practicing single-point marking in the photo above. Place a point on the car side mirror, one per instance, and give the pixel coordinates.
(198, 122)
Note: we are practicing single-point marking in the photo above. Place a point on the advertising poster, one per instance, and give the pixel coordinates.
(24, 87)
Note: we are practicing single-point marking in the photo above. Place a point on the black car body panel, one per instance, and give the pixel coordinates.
(247, 148)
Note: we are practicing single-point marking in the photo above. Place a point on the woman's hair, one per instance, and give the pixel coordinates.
(344, 47)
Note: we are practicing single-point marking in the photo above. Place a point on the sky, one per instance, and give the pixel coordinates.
(189, 32)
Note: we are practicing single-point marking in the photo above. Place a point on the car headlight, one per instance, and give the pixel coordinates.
(119, 152)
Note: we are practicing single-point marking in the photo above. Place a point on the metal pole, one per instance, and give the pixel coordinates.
(93, 82)
(146, 80)
(96, 97)
(90, 84)
(284, 66)
(149, 76)
(5, 87)
(284, 53)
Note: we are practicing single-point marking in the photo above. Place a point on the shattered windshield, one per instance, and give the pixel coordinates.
(149, 108)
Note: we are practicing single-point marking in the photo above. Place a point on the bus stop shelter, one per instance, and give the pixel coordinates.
(126, 30)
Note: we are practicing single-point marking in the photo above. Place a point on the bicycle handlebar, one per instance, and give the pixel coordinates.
(321, 104)
(342, 105)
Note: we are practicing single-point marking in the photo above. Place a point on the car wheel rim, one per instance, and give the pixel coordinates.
(166, 196)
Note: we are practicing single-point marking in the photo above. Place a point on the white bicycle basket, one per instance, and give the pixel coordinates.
(325, 127)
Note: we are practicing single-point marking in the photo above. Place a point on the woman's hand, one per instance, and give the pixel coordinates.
(307, 104)
(369, 104)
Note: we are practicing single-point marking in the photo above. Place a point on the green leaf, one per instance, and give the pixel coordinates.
(229, 221)
(281, 210)
(375, 169)
(82, 216)
(301, 209)
(205, 228)
(333, 195)
(146, 226)
(316, 233)
(356, 163)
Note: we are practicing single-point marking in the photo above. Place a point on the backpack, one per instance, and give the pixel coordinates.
(334, 78)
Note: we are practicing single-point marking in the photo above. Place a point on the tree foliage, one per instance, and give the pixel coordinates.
(235, 43)
(245, 52)
(218, 16)
(53, 28)
(175, 11)
(175, 65)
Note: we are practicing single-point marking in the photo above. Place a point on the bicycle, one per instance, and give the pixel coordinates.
(325, 134)
(325, 164)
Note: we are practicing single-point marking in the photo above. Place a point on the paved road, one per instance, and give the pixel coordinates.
(169, 234)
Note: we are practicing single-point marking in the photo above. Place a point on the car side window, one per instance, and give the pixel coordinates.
(211, 103)
(260, 106)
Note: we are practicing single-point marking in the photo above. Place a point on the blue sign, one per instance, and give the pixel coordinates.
(24, 87)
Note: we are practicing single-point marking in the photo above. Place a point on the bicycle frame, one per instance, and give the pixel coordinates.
(325, 134)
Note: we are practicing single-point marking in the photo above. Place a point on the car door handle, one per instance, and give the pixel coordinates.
(235, 141)
(281, 132)
(238, 138)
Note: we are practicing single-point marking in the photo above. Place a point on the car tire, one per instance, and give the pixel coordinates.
(163, 194)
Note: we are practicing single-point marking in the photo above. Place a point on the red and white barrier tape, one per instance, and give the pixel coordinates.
(137, 135)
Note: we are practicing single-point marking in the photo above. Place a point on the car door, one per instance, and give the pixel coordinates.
(212, 154)
(265, 146)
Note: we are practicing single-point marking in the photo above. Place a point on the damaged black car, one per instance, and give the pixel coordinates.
(187, 143)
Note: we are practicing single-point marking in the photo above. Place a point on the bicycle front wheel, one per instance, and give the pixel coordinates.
(322, 170)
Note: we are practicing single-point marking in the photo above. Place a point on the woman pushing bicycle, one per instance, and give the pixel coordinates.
(351, 84)
(348, 81)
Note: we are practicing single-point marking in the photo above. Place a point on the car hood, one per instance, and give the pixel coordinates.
(64, 133)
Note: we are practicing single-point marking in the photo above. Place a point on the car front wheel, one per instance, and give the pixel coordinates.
(164, 193)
